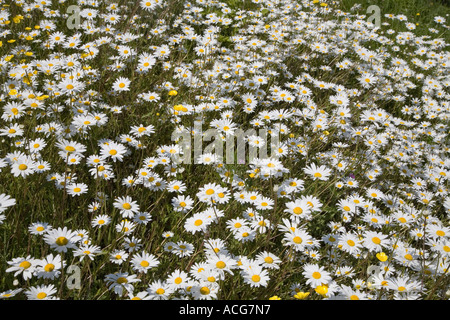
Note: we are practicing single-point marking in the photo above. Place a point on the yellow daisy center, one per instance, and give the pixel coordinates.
(144, 264)
(178, 280)
(204, 290)
(122, 280)
(49, 267)
(61, 241)
(126, 206)
(297, 240)
(160, 291)
(41, 295)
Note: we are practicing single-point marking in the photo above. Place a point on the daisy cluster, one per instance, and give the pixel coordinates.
(352, 204)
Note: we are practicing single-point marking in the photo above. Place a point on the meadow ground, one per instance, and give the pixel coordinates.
(119, 178)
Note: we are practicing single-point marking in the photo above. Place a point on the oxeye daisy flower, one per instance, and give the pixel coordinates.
(368, 80)
(178, 280)
(146, 62)
(23, 265)
(61, 239)
(76, 189)
(42, 166)
(375, 241)
(268, 167)
(346, 206)
(143, 295)
(10, 293)
(350, 243)
(205, 291)
(132, 244)
(222, 263)
(150, 96)
(142, 262)
(293, 185)
(86, 250)
(122, 84)
(316, 275)
(167, 234)
(443, 247)
(318, 172)
(70, 86)
(39, 228)
(142, 218)
(207, 158)
(170, 246)
(70, 147)
(314, 203)
(176, 186)
(141, 130)
(236, 224)
(198, 222)
(260, 225)
(373, 193)
(23, 167)
(199, 271)
(101, 221)
(298, 209)
(73, 159)
(183, 249)
(49, 267)
(6, 201)
(299, 239)
(245, 234)
(403, 285)
(256, 276)
(100, 169)
(402, 218)
(113, 150)
(3, 163)
(125, 226)
(348, 293)
(264, 204)
(159, 290)
(127, 206)
(118, 282)
(268, 260)
(182, 203)
(13, 110)
(288, 225)
(118, 256)
(215, 246)
(42, 292)
(130, 181)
